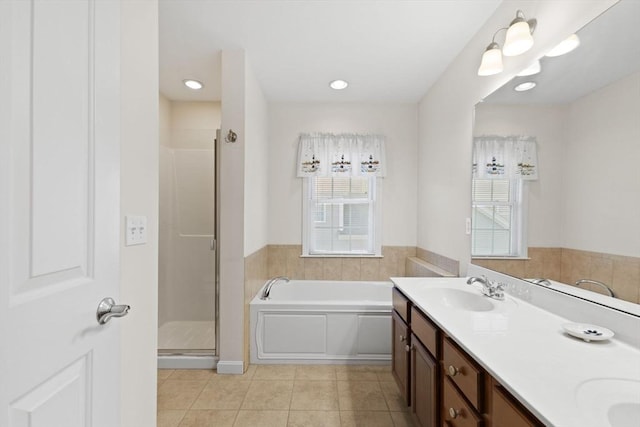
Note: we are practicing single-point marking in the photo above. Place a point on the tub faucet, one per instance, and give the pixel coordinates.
(595, 282)
(491, 289)
(270, 283)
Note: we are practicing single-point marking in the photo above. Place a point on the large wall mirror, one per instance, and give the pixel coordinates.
(582, 214)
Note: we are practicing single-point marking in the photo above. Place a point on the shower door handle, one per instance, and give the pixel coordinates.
(108, 309)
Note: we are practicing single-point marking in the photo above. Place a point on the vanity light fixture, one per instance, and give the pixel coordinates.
(565, 46)
(491, 60)
(517, 41)
(525, 86)
(338, 84)
(519, 37)
(531, 69)
(193, 84)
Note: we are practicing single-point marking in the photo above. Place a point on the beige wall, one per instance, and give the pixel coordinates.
(139, 195)
(446, 116)
(398, 122)
(256, 196)
(602, 215)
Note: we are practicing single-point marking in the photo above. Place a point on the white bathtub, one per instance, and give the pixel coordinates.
(312, 321)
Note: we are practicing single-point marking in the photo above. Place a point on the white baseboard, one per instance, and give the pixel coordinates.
(230, 367)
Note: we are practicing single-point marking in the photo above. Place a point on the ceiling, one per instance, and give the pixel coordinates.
(609, 50)
(388, 50)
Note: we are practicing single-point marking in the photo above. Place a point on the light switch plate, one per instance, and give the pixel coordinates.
(467, 226)
(135, 230)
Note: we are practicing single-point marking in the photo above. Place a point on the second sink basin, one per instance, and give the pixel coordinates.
(611, 402)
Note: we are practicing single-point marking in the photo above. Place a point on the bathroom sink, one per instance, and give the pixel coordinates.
(613, 402)
(470, 300)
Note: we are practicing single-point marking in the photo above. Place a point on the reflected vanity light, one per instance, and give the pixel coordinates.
(193, 84)
(565, 46)
(524, 86)
(531, 69)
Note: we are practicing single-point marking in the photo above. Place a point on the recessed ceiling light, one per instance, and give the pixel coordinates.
(565, 46)
(338, 84)
(525, 86)
(530, 70)
(193, 84)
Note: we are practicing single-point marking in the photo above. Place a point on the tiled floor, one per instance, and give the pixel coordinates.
(282, 396)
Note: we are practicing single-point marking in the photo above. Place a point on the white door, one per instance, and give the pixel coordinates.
(59, 212)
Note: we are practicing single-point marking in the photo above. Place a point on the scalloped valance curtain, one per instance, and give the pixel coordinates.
(327, 154)
(505, 157)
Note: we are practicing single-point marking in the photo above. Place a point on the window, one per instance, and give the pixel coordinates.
(341, 216)
(497, 218)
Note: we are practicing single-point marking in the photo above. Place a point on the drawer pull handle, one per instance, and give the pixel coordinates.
(453, 371)
(403, 338)
(453, 413)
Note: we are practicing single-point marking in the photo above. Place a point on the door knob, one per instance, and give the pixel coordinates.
(108, 309)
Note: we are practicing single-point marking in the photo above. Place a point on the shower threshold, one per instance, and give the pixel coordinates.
(187, 361)
(187, 345)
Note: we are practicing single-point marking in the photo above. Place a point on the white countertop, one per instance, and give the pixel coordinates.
(563, 380)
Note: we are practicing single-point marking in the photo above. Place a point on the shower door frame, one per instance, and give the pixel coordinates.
(186, 359)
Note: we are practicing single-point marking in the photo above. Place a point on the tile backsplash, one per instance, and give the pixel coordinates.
(620, 273)
(285, 260)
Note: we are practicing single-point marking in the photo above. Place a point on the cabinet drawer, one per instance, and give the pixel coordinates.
(426, 331)
(455, 411)
(401, 304)
(463, 371)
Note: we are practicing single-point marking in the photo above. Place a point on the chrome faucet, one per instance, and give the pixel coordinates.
(541, 281)
(491, 289)
(270, 283)
(595, 282)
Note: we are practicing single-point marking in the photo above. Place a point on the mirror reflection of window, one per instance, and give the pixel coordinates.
(497, 218)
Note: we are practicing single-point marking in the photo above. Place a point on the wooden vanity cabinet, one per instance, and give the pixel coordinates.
(424, 385)
(424, 371)
(400, 345)
(441, 383)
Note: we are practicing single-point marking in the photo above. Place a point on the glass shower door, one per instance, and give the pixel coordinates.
(187, 291)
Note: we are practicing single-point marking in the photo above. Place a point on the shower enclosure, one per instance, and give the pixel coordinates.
(187, 276)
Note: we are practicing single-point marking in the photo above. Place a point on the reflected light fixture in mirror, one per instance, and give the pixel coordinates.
(522, 87)
(193, 84)
(565, 46)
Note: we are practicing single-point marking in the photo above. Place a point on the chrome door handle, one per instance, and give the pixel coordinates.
(108, 309)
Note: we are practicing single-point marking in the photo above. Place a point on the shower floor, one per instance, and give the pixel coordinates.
(187, 335)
